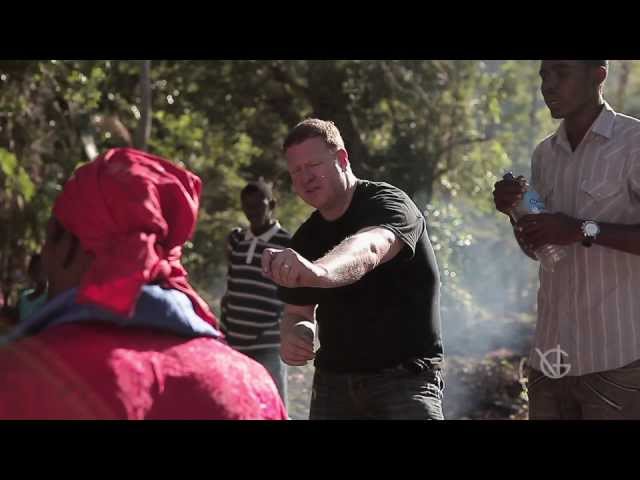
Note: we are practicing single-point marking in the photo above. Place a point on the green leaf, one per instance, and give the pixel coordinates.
(8, 162)
(25, 185)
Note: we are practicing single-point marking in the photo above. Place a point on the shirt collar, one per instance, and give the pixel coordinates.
(602, 125)
(266, 236)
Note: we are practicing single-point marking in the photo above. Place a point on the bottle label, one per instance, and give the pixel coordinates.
(532, 202)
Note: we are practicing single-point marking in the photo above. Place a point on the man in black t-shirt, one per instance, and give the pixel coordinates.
(362, 265)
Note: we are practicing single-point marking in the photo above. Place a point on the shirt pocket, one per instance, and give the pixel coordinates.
(601, 199)
(546, 195)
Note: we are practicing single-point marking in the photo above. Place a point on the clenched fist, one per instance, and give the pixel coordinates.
(288, 268)
(296, 344)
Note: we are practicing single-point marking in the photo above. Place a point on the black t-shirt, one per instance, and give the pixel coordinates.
(390, 315)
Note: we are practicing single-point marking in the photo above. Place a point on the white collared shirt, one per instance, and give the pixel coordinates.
(590, 304)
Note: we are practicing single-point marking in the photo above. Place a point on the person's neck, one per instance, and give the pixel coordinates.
(577, 125)
(341, 205)
(257, 231)
(39, 290)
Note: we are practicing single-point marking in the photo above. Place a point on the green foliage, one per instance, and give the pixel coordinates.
(442, 130)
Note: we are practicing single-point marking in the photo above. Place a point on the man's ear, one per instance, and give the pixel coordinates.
(343, 159)
(600, 75)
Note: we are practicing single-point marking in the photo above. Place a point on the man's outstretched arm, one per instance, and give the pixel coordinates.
(345, 264)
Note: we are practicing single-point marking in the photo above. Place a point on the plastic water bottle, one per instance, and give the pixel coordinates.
(532, 204)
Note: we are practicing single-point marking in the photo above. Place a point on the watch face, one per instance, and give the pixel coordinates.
(591, 229)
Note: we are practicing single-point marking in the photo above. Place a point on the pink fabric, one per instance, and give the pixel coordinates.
(133, 211)
(93, 371)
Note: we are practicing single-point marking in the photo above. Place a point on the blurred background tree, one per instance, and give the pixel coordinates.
(442, 130)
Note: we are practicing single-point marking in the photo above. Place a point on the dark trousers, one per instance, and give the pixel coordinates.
(397, 393)
(609, 395)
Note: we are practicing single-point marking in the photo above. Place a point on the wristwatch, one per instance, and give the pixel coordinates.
(590, 230)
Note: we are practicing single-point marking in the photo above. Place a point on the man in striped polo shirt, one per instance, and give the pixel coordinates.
(251, 309)
(586, 356)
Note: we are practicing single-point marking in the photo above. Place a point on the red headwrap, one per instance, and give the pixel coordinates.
(133, 211)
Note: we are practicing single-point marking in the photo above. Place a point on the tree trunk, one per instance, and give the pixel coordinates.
(329, 102)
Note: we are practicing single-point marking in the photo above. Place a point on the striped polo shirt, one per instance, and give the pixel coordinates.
(251, 319)
(589, 305)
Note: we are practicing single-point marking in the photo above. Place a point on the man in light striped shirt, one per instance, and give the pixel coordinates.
(251, 310)
(585, 361)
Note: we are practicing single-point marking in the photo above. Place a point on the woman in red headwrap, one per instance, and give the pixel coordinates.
(123, 334)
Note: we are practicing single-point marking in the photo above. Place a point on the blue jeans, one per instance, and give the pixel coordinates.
(270, 359)
(396, 393)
